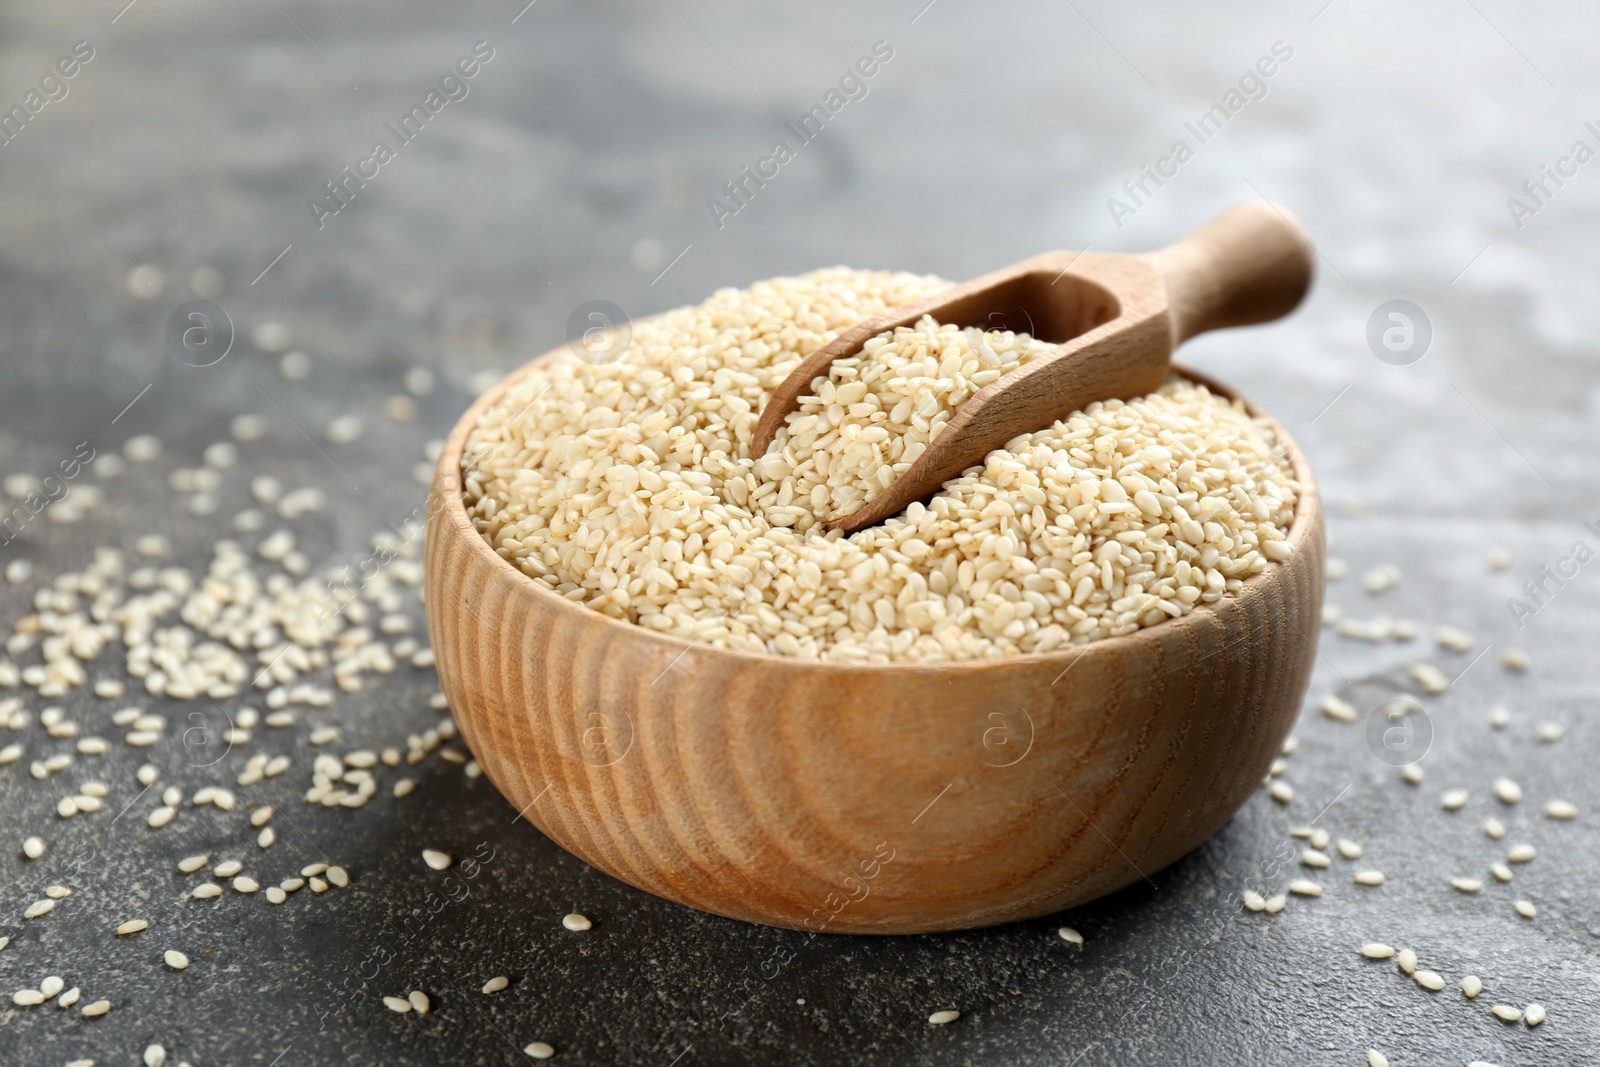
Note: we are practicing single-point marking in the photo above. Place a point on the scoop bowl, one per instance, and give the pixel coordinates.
(900, 798)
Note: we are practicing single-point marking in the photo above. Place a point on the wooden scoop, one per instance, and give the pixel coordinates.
(1115, 320)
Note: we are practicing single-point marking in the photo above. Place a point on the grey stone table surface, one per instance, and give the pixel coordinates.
(1416, 142)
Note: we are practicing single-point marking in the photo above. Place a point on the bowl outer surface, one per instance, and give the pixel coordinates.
(857, 798)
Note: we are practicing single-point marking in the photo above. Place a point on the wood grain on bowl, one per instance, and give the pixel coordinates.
(866, 799)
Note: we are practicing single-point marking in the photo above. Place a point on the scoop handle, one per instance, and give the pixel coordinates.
(1250, 264)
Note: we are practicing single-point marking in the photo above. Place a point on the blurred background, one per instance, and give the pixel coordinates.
(226, 154)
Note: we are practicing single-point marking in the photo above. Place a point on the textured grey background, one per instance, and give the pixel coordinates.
(198, 133)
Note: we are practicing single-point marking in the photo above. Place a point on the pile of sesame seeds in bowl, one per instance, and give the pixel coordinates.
(629, 488)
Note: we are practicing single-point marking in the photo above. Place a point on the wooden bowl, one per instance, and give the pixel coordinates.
(866, 799)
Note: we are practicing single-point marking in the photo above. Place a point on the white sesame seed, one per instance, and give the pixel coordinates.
(1376, 950)
(439, 861)
(1507, 791)
(404, 787)
(1516, 659)
(290, 885)
(161, 816)
(1494, 829)
(494, 985)
(1466, 885)
(99, 1007)
(193, 863)
(1407, 961)
(1534, 1015)
(249, 427)
(1521, 854)
(338, 876)
(1428, 980)
(38, 908)
(27, 998)
(1561, 809)
(1412, 773)
(1526, 909)
(1471, 986)
(1276, 903)
(1381, 578)
(228, 869)
(261, 816)
(397, 1004)
(1254, 901)
(132, 926)
(207, 891)
(1501, 872)
(269, 336)
(51, 986)
(539, 1050)
(1282, 792)
(1453, 799)
(1301, 887)
(245, 884)
(1312, 858)
(1550, 732)
(1506, 1013)
(1349, 849)
(1339, 709)
(940, 1018)
(141, 448)
(276, 895)
(1376, 1058)
(33, 847)
(69, 998)
(1319, 838)
(147, 774)
(344, 429)
(175, 959)
(419, 381)
(1301, 832)
(1066, 933)
(419, 1002)
(1499, 718)
(318, 885)
(576, 922)
(155, 1056)
(1369, 878)
(1429, 677)
(1454, 638)
(57, 892)
(93, 789)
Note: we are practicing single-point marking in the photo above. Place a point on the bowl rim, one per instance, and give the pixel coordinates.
(450, 510)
